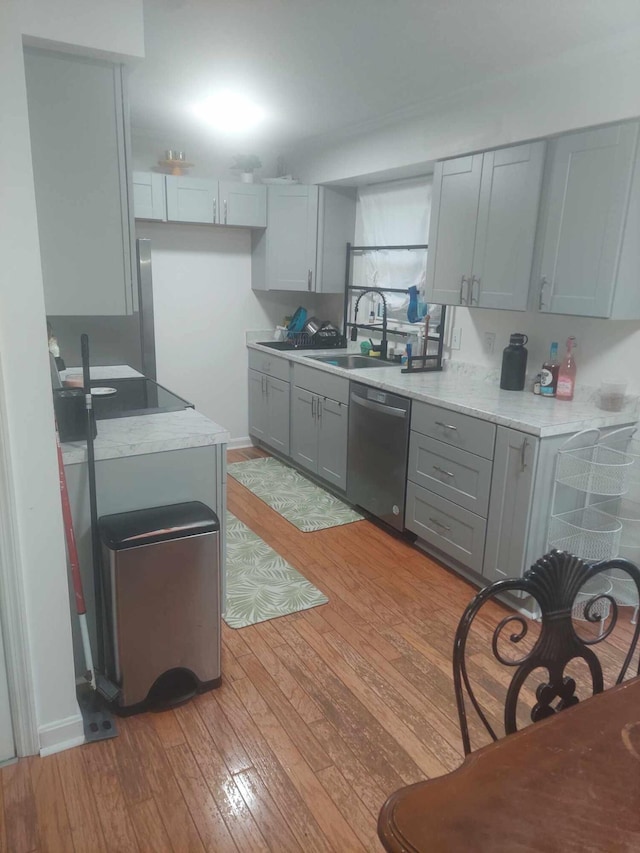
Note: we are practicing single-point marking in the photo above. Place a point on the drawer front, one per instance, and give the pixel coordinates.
(438, 522)
(472, 434)
(321, 383)
(461, 477)
(279, 368)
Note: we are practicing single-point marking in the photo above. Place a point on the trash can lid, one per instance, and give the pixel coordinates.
(124, 530)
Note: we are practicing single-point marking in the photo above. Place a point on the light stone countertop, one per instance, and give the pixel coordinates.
(476, 391)
(141, 434)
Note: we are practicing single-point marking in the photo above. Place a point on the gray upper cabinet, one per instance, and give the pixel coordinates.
(304, 245)
(149, 199)
(452, 229)
(77, 120)
(191, 199)
(242, 204)
(184, 199)
(483, 225)
(506, 227)
(588, 185)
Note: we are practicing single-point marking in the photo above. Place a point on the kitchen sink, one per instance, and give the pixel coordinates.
(350, 362)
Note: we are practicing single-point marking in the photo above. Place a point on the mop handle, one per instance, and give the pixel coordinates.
(72, 548)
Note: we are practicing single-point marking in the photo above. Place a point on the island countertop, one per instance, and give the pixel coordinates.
(141, 434)
(476, 391)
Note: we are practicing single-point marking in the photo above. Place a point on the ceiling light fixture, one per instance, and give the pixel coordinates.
(229, 112)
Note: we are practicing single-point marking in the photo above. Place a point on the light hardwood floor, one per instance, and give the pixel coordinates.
(321, 715)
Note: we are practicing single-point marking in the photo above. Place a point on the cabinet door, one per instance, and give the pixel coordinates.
(514, 469)
(278, 395)
(304, 429)
(192, 200)
(589, 182)
(149, 200)
(242, 204)
(506, 229)
(332, 442)
(77, 124)
(452, 231)
(292, 213)
(257, 404)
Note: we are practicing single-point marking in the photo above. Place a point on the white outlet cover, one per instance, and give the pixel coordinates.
(489, 342)
(456, 338)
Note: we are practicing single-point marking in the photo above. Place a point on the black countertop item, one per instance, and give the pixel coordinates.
(135, 395)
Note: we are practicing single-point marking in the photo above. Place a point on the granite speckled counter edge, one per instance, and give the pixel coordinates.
(475, 391)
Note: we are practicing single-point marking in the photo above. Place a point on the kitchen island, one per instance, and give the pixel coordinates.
(143, 461)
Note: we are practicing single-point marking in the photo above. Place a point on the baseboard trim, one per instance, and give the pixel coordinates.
(60, 735)
(240, 443)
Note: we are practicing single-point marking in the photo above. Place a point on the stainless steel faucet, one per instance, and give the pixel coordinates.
(354, 329)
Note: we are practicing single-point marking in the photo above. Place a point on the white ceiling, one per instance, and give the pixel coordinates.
(324, 67)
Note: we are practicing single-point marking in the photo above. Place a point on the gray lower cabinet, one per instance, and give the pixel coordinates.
(446, 526)
(448, 486)
(78, 124)
(269, 399)
(319, 432)
(512, 485)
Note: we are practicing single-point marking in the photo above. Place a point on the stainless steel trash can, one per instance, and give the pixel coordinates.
(162, 602)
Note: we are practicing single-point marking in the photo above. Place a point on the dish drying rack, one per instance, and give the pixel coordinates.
(595, 511)
(416, 363)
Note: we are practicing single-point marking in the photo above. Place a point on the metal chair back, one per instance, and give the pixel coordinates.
(553, 582)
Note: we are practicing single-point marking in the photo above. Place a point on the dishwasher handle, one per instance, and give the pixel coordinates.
(393, 411)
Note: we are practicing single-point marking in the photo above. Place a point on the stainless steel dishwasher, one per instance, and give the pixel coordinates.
(378, 448)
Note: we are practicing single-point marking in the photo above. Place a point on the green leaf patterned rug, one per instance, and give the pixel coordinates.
(261, 584)
(299, 500)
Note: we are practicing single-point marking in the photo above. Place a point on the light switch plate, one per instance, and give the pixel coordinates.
(456, 338)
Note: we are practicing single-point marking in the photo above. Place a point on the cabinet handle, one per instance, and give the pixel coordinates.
(215, 210)
(314, 400)
(523, 450)
(446, 426)
(439, 523)
(262, 383)
(225, 211)
(309, 279)
(475, 280)
(543, 284)
(319, 409)
(442, 471)
(464, 280)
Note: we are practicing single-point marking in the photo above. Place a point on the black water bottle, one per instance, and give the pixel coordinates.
(514, 363)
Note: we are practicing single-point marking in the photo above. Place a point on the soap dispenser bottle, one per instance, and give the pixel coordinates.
(567, 373)
(514, 363)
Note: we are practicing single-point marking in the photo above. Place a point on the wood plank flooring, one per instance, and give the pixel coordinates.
(321, 715)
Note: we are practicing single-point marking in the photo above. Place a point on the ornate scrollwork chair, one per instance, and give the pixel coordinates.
(553, 581)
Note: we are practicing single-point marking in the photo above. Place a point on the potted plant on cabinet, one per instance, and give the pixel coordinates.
(246, 164)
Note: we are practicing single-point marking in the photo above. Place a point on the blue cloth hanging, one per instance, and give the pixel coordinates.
(412, 310)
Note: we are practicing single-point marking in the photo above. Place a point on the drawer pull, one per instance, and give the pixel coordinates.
(446, 426)
(439, 523)
(442, 471)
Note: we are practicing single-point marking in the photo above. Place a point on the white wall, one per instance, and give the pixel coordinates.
(28, 401)
(203, 303)
(108, 28)
(211, 158)
(590, 86)
(607, 349)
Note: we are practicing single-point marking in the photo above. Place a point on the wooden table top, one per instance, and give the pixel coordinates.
(569, 783)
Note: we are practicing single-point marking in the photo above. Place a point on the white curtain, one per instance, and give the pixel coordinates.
(393, 214)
